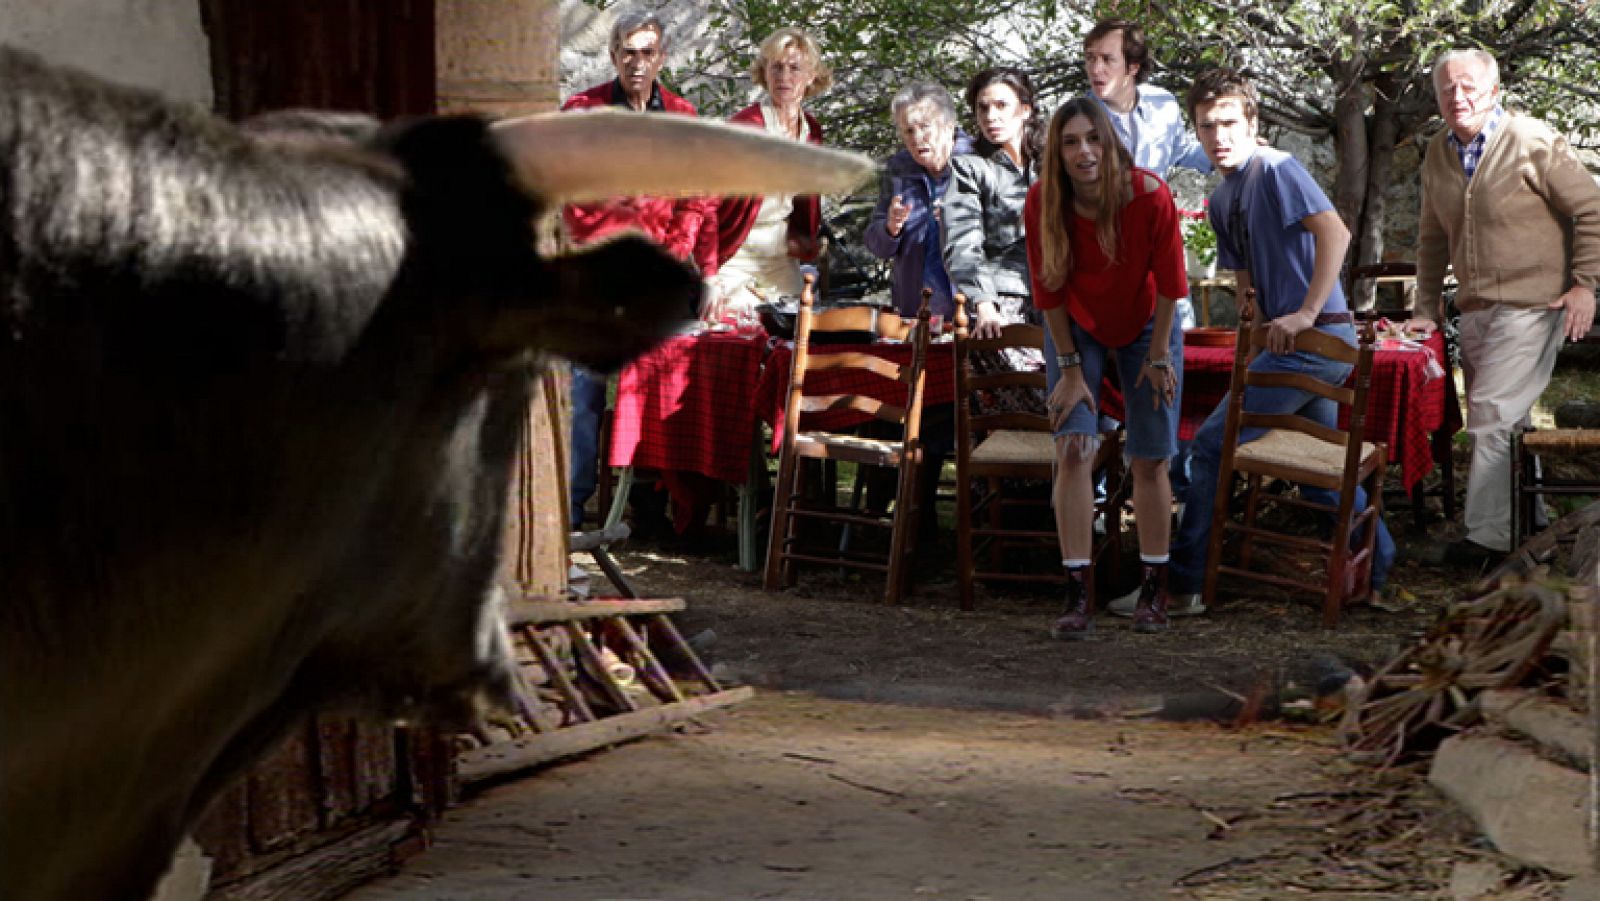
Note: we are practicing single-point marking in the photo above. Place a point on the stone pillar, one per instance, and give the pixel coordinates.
(500, 57)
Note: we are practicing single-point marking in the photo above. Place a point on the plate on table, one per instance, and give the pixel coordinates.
(1210, 336)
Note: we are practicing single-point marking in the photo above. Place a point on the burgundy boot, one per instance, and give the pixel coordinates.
(1150, 614)
(1076, 620)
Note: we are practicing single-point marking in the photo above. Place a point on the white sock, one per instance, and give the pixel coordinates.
(1153, 559)
(1075, 563)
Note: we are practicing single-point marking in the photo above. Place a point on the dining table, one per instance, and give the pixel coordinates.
(697, 403)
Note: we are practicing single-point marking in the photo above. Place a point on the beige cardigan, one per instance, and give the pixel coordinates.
(1524, 231)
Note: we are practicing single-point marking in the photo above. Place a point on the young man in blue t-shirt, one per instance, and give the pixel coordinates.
(1279, 233)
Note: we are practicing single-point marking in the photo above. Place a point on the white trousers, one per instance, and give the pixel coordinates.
(1507, 355)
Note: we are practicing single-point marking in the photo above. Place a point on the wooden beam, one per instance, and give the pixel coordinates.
(497, 760)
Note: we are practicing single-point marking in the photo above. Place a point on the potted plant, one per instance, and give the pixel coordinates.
(1199, 244)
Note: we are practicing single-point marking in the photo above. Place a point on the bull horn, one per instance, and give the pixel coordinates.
(590, 155)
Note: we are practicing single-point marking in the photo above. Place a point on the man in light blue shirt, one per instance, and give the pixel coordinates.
(1149, 120)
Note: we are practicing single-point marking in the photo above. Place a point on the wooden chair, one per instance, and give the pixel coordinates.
(902, 453)
(1304, 452)
(1530, 480)
(1008, 446)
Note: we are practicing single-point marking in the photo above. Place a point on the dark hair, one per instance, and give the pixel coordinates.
(1019, 82)
(1055, 191)
(1134, 49)
(1215, 84)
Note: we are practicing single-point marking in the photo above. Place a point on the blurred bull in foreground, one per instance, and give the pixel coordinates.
(260, 393)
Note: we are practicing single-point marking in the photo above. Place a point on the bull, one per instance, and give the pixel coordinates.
(260, 394)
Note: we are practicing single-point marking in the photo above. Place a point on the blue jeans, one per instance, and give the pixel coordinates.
(583, 463)
(1187, 569)
(1152, 432)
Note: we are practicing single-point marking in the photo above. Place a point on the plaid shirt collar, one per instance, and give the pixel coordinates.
(1472, 151)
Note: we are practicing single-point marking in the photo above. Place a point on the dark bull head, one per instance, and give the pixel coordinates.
(260, 396)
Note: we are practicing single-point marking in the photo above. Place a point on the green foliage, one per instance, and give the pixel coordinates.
(877, 46)
(1198, 238)
(1356, 71)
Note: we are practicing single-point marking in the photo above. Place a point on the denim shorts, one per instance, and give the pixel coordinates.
(1152, 433)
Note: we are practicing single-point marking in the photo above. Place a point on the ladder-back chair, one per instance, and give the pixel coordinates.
(867, 372)
(1305, 452)
(1530, 481)
(1003, 447)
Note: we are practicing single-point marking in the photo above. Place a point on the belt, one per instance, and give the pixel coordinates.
(1345, 318)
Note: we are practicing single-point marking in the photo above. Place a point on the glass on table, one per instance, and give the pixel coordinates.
(747, 322)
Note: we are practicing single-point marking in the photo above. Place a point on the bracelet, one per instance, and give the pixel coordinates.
(1163, 363)
(1067, 361)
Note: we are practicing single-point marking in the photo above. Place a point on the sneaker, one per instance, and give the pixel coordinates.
(1178, 605)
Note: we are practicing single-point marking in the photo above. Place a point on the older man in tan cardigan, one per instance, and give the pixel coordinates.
(1508, 205)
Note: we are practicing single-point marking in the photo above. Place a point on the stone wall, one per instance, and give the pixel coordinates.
(156, 44)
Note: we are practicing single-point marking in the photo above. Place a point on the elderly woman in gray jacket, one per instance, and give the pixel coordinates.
(906, 223)
(984, 250)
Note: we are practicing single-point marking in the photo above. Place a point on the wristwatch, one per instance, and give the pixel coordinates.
(1067, 361)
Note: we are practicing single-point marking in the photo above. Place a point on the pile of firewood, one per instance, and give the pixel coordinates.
(1500, 692)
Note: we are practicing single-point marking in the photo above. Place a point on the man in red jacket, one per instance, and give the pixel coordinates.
(685, 227)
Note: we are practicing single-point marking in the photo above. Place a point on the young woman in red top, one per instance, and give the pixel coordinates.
(1106, 259)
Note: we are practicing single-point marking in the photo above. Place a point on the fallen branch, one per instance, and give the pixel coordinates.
(865, 787)
(807, 757)
(1187, 880)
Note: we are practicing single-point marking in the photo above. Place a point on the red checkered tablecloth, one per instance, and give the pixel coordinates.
(693, 402)
(690, 405)
(1404, 408)
(939, 386)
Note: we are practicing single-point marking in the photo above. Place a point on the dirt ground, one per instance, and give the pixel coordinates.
(919, 751)
(799, 797)
(922, 751)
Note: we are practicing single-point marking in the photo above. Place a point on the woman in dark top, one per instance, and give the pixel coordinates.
(984, 249)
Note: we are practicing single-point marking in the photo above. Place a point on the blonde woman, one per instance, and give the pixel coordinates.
(761, 241)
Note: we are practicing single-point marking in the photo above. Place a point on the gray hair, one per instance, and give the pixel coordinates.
(1473, 53)
(629, 22)
(918, 93)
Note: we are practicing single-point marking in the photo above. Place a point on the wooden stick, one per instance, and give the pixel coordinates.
(497, 760)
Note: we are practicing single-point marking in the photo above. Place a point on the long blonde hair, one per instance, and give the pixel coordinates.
(1055, 190)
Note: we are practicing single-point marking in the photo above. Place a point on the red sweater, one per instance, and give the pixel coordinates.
(684, 227)
(1113, 300)
(735, 215)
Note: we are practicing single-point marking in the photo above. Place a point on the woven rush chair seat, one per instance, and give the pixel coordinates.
(852, 448)
(1307, 459)
(1010, 446)
(1558, 442)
